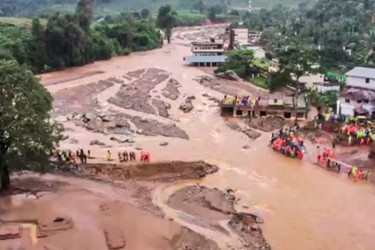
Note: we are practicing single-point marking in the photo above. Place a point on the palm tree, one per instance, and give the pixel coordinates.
(366, 53)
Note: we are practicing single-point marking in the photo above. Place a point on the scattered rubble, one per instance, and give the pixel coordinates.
(245, 226)
(209, 206)
(162, 107)
(122, 139)
(267, 124)
(136, 73)
(80, 99)
(171, 89)
(211, 98)
(187, 106)
(136, 95)
(190, 240)
(153, 128)
(97, 142)
(251, 133)
(229, 75)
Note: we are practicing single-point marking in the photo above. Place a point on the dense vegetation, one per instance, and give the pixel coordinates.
(26, 134)
(71, 40)
(109, 7)
(342, 31)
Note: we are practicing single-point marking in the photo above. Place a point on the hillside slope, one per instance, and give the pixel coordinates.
(104, 7)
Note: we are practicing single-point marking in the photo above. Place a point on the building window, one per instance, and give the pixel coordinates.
(366, 101)
(367, 80)
(347, 100)
(274, 100)
(300, 115)
(359, 101)
(238, 112)
(287, 115)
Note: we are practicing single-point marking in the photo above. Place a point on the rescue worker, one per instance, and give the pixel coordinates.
(108, 155)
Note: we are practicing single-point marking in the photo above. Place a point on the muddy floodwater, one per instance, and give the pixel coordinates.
(304, 207)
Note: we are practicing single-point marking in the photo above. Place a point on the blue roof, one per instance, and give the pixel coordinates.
(208, 59)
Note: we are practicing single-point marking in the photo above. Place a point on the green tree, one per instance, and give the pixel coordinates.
(366, 52)
(212, 13)
(26, 132)
(166, 20)
(38, 52)
(199, 6)
(85, 14)
(298, 61)
(145, 13)
(240, 62)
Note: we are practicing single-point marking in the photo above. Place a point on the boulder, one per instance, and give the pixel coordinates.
(163, 144)
(122, 139)
(97, 142)
(61, 118)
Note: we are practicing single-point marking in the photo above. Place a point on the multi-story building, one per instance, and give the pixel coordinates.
(206, 53)
(358, 97)
(241, 36)
(286, 106)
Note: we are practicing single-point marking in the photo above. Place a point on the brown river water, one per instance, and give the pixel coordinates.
(304, 207)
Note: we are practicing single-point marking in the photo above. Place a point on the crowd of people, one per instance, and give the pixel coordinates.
(355, 131)
(287, 142)
(242, 100)
(358, 174)
(70, 156)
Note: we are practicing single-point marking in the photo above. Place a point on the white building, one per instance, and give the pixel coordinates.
(258, 51)
(206, 53)
(241, 36)
(359, 96)
(324, 87)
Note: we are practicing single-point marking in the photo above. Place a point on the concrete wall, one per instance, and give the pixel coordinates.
(360, 82)
(348, 108)
(324, 89)
(281, 113)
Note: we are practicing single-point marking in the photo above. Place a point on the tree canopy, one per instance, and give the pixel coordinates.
(166, 20)
(72, 39)
(240, 62)
(26, 132)
(341, 30)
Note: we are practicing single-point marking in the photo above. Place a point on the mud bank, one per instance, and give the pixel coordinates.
(210, 206)
(161, 172)
(113, 212)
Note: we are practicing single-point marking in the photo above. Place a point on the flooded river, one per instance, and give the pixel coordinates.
(304, 207)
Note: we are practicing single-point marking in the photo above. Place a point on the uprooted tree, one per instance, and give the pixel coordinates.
(26, 132)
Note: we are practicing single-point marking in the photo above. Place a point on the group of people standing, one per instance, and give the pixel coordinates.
(353, 131)
(287, 142)
(70, 156)
(242, 100)
(125, 156)
(357, 174)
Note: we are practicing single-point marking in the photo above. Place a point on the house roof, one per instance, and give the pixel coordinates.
(358, 94)
(362, 72)
(204, 59)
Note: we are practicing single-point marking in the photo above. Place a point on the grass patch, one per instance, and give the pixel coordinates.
(261, 63)
(20, 21)
(260, 82)
(187, 18)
